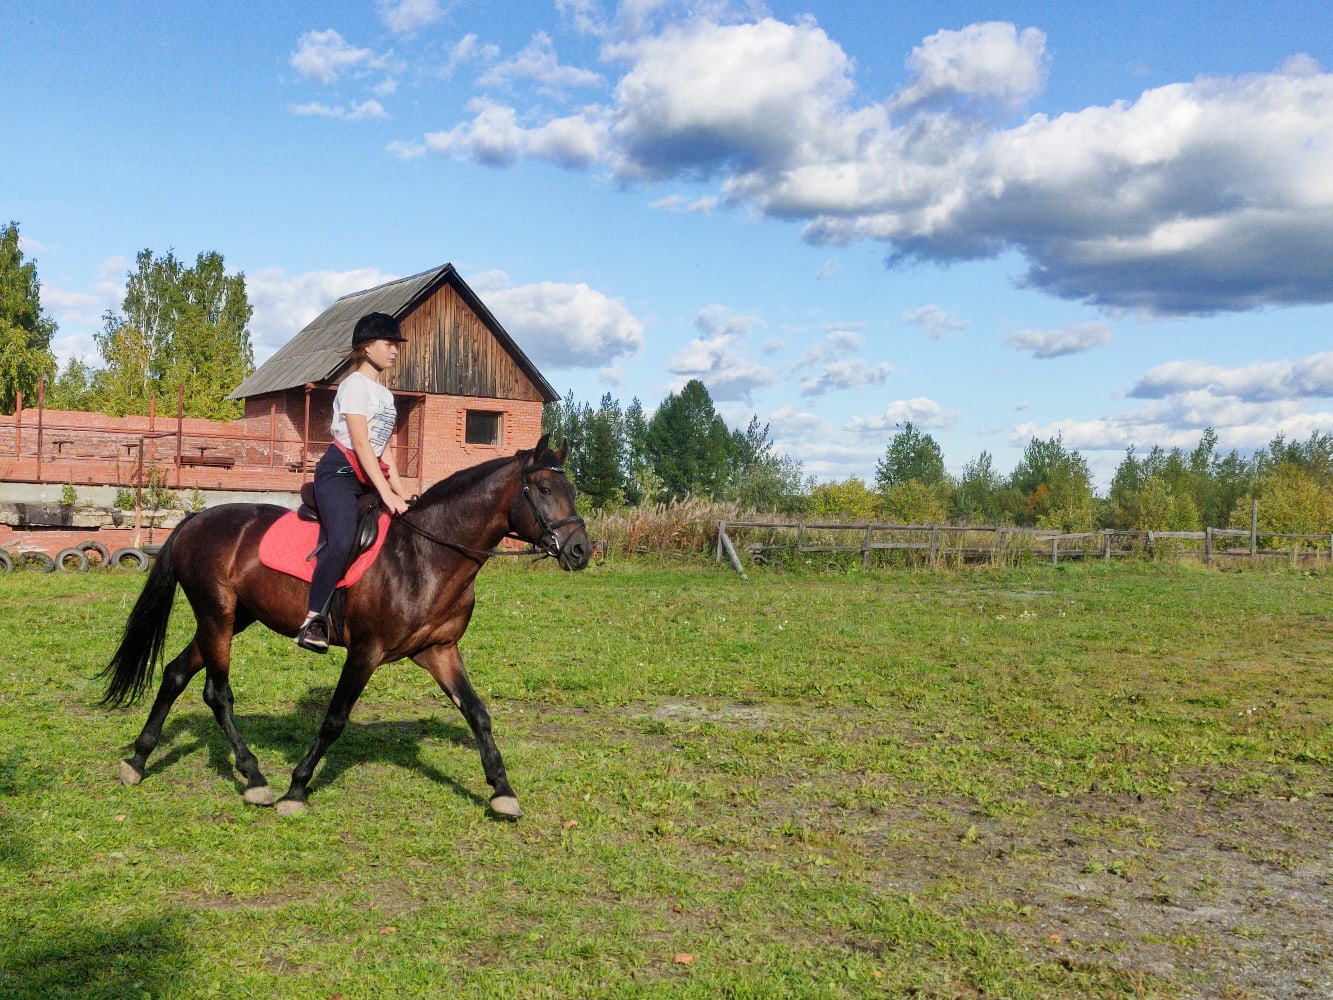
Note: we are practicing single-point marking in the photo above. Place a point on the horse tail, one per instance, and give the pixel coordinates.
(131, 668)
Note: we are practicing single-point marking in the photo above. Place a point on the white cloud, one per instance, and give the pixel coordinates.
(921, 412)
(496, 138)
(690, 206)
(561, 325)
(718, 358)
(539, 64)
(934, 322)
(853, 373)
(284, 304)
(1057, 343)
(406, 16)
(1263, 381)
(1210, 195)
(370, 110)
(990, 62)
(325, 56)
(789, 424)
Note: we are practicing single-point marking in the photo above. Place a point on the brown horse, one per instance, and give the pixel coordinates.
(414, 601)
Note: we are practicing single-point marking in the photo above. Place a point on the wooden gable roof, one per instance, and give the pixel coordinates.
(454, 345)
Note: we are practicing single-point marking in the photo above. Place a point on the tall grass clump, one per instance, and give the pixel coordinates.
(683, 527)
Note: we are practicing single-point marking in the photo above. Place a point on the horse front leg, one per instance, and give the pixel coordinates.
(445, 664)
(355, 674)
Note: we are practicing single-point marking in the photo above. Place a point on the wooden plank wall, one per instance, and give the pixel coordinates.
(449, 351)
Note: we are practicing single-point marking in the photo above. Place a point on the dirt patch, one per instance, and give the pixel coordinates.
(1219, 894)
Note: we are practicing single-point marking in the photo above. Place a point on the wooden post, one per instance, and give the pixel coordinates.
(1254, 526)
(41, 407)
(305, 434)
(138, 497)
(721, 530)
(180, 429)
(1208, 546)
(865, 549)
(934, 546)
(725, 542)
(1055, 551)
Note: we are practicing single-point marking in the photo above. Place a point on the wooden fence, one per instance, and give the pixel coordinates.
(931, 544)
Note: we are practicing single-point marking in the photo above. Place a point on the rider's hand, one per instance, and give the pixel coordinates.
(394, 504)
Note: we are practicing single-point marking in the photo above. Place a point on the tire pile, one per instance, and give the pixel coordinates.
(79, 558)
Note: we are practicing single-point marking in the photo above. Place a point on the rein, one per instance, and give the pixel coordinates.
(550, 539)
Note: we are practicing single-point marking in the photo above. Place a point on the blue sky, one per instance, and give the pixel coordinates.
(996, 221)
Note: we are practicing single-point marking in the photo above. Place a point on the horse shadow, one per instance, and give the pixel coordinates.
(287, 737)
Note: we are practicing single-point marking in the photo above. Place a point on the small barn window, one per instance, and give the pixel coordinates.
(483, 428)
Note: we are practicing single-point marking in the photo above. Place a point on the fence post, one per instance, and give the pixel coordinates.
(1106, 545)
(934, 546)
(865, 550)
(1055, 551)
(1254, 526)
(721, 530)
(725, 542)
(1208, 546)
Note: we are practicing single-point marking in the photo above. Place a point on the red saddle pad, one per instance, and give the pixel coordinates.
(288, 542)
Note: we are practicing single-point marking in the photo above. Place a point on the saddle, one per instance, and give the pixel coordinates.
(292, 541)
(367, 521)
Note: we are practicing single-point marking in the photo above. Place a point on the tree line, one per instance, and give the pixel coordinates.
(189, 325)
(179, 325)
(624, 457)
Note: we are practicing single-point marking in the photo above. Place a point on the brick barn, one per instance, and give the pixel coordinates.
(465, 391)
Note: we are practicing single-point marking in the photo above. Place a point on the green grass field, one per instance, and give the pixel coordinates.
(1050, 782)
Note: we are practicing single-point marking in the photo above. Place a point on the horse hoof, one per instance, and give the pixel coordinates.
(290, 807)
(259, 795)
(506, 805)
(129, 774)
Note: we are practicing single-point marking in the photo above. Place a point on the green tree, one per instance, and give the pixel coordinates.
(688, 444)
(910, 455)
(1055, 487)
(25, 333)
(1294, 498)
(602, 470)
(762, 478)
(179, 326)
(72, 389)
(978, 497)
(849, 500)
(1162, 508)
(914, 502)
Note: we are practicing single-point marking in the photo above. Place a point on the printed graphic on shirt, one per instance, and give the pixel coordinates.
(380, 428)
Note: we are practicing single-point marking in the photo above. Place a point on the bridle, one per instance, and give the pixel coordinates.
(550, 544)
(549, 539)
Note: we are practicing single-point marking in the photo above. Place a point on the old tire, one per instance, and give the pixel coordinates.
(71, 560)
(6, 563)
(130, 558)
(39, 561)
(96, 548)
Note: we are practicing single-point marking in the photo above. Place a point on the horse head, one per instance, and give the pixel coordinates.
(544, 513)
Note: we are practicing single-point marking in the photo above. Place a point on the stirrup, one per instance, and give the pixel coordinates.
(314, 635)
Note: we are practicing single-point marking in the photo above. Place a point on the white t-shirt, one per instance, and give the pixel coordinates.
(365, 396)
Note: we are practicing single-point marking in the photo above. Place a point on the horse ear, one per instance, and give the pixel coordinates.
(540, 450)
(561, 452)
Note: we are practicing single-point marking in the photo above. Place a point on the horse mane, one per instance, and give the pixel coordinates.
(464, 481)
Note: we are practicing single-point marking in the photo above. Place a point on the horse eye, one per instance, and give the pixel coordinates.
(544, 490)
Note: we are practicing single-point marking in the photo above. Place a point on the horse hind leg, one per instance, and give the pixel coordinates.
(218, 697)
(176, 677)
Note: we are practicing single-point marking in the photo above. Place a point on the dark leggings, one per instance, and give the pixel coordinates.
(336, 491)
